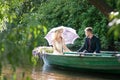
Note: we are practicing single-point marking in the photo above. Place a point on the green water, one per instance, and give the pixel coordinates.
(45, 72)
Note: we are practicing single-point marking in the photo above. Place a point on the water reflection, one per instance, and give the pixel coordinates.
(19, 73)
(45, 72)
(50, 73)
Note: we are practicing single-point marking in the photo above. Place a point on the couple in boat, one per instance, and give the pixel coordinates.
(91, 43)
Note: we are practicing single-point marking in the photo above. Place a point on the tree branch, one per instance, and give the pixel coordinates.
(102, 6)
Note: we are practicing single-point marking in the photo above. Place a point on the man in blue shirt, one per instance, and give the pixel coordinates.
(91, 44)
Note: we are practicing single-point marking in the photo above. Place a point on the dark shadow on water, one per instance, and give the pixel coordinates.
(67, 74)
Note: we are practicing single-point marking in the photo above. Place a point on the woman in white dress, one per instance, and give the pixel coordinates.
(58, 43)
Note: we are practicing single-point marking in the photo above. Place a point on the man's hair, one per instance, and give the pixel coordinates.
(89, 29)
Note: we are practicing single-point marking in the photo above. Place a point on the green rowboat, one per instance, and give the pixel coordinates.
(104, 62)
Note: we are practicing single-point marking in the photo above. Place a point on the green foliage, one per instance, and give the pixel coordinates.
(113, 19)
(34, 60)
(24, 23)
(115, 4)
(114, 25)
(20, 30)
(75, 14)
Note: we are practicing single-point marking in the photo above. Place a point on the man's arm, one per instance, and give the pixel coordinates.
(98, 46)
(83, 47)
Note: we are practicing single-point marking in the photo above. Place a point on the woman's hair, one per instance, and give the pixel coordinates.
(55, 35)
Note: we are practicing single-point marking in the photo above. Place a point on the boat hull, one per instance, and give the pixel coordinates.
(98, 63)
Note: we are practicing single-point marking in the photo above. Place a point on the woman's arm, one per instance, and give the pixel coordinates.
(65, 47)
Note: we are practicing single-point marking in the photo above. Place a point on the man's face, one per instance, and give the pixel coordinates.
(87, 33)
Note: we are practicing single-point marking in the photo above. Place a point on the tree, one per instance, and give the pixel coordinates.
(102, 6)
(21, 31)
(107, 8)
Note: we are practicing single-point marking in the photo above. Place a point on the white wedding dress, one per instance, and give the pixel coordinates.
(59, 46)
